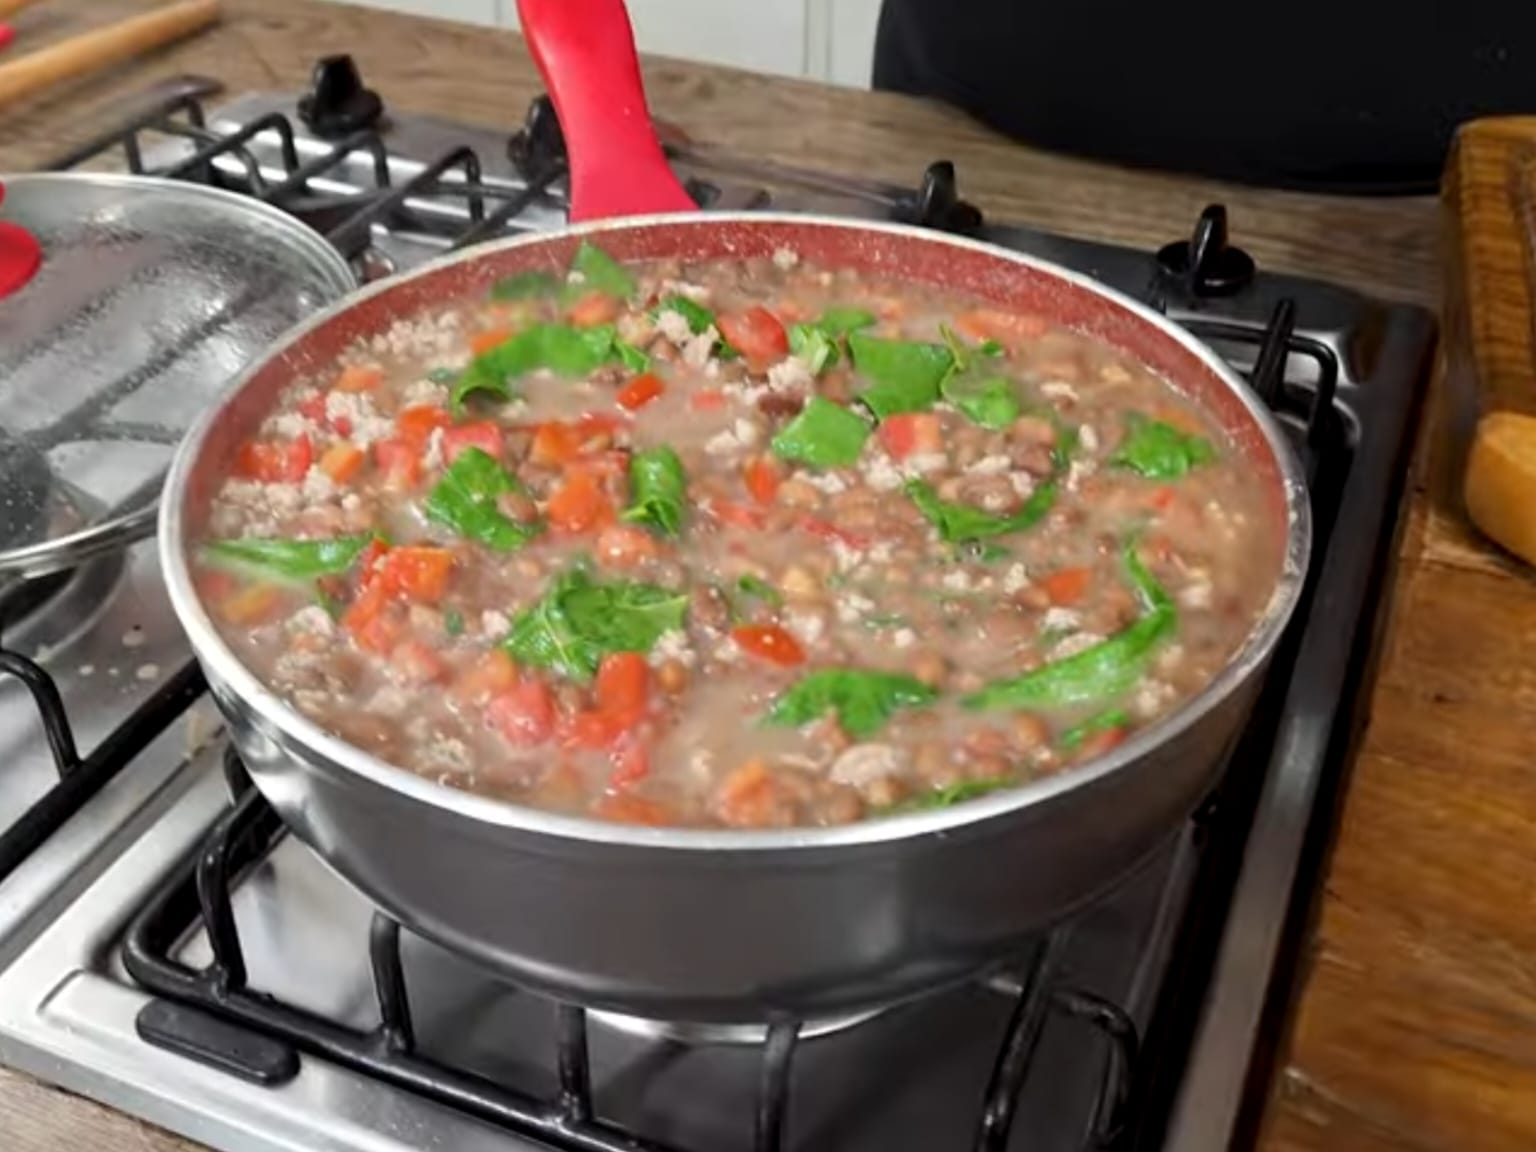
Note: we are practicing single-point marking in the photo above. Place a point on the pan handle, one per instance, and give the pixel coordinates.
(585, 50)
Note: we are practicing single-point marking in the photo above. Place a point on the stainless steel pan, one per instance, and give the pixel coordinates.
(725, 926)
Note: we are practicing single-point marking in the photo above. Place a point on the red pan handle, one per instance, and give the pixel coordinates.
(20, 255)
(585, 50)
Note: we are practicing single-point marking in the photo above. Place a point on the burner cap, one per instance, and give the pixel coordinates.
(337, 102)
(1206, 263)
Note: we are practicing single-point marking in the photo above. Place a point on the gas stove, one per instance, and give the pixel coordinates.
(166, 949)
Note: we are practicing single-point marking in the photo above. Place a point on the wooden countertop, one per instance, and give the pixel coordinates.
(1416, 1025)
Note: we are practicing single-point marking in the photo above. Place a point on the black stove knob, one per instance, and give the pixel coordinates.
(337, 103)
(937, 202)
(1205, 263)
(539, 145)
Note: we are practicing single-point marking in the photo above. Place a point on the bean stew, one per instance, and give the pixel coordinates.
(740, 543)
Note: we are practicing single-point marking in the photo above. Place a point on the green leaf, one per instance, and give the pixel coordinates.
(951, 794)
(699, 318)
(759, 588)
(631, 357)
(862, 701)
(579, 621)
(963, 352)
(990, 401)
(558, 348)
(443, 375)
(841, 321)
(465, 500)
(824, 435)
(600, 272)
(288, 561)
(453, 622)
(1067, 438)
(1102, 672)
(1074, 736)
(903, 375)
(961, 522)
(658, 490)
(1160, 451)
(524, 285)
(814, 346)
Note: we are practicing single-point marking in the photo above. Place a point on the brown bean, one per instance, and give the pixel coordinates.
(709, 608)
(988, 767)
(1029, 732)
(800, 586)
(518, 507)
(798, 494)
(842, 805)
(672, 675)
(780, 404)
(931, 668)
(1033, 430)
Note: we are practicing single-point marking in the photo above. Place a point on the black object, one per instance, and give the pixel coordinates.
(937, 203)
(195, 1033)
(337, 102)
(1206, 263)
(539, 145)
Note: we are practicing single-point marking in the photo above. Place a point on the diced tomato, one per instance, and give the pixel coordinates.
(592, 309)
(524, 714)
(1066, 586)
(623, 683)
(415, 425)
(627, 808)
(632, 764)
(418, 573)
(624, 545)
(762, 479)
(368, 562)
(482, 342)
(707, 400)
(826, 530)
(254, 604)
(580, 504)
(769, 642)
(492, 673)
(368, 620)
(415, 663)
(342, 461)
(640, 391)
(1004, 327)
(911, 434)
(591, 425)
(313, 408)
(595, 729)
(359, 378)
(275, 461)
(1101, 742)
(482, 434)
(400, 463)
(1161, 498)
(554, 444)
(737, 515)
(756, 333)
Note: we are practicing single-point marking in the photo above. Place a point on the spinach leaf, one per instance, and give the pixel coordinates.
(600, 272)
(759, 588)
(453, 622)
(525, 284)
(824, 435)
(962, 352)
(631, 357)
(699, 317)
(903, 375)
(841, 321)
(951, 794)
(658, 489)
(465, 501)
(862, 701)
(1098, 673)
(961, 522)
(288, 561)
(1074, 736)
(579, 621)
(990, 401)
(1160, 451)
(814, 346)
(560, 348)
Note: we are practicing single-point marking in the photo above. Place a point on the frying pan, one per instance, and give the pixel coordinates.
(721, 926)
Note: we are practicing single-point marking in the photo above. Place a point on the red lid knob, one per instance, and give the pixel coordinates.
(20, 255)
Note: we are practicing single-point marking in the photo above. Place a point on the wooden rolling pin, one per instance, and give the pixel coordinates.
(9, 8)
(103, 47)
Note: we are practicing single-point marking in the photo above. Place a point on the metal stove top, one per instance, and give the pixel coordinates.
(302, 1020)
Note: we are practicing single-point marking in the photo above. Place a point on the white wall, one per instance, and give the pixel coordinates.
(827, 40)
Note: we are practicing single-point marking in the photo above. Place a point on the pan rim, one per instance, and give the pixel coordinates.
(226, 668)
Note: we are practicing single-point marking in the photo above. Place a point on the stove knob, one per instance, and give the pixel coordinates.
(1205, 263)
(337, 103)
(539, 145)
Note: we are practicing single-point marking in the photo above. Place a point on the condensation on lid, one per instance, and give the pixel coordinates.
(150, 297)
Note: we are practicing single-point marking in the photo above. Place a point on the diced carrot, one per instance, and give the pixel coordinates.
(359, 378)
(400, 463)
(591, 425)
(627, 808)
(707, 400)
(580, 504)
(623, 683)
(737, 515)
(342, 461)
(769, 642)
(249, 606)
(1101, 742)
(483, 341)
(482, 434)
(1067, 586)
(554, 444)
(624, 545)
(313, 407)
(275, 461)
(492, 673)
(416, 663)
(592, 309)
(419, 573)
(640, 391)
(369, 622)
(1005, 327)
(762, 479)
(416, 424)
(524, 714)
(911, 434)
(756, 333)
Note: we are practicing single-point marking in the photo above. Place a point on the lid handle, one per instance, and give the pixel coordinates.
(20, 255)
(585, 50)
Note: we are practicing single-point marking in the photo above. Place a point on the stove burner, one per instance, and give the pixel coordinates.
(1205, 262)
(44, 614)
(741, 1034)
(25, 484)
(337, 102)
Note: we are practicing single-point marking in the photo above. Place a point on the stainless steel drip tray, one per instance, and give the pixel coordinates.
(912, 1078)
